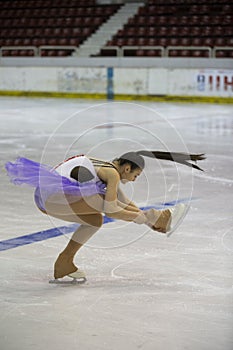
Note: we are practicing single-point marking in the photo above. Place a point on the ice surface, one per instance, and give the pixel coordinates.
(144, 291)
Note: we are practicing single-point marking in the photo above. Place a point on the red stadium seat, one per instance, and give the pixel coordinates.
(208, 42)
(194, 20)
(219, 41)
(39, 41)
(140, 53)
(51, 41)
(174, 31)
(172, 20)
(163, 42)
(131, 42)
(77, 31)
(152, 31)
(173, 53)
(73, 41)
(185, 42)
(26, 53)
(153, 53)
(162, 20)
(142, 42)
(173, 42)
(158, 22)
(185, 53)
(195, 31)
(229, 41)
(63, 41)
(142, 31)
(200, 53)
(63, 53)
(221, 54)
(196, 42)
(153, 42)
(184, 20)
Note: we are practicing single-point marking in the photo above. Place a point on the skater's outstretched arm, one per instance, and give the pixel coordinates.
(115, 208)
(125, 201)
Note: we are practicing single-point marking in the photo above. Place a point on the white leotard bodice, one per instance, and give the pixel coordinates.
(65, 168)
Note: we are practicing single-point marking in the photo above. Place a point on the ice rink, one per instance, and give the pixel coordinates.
(144, 290)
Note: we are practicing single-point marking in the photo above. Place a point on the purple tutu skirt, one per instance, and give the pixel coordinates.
(47, 181)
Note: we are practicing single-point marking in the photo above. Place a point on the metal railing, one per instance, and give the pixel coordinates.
(37, 51)
(21, 48)
(120, 51)
(188, 48)
(164, 51)
(221, 48)
(56, 48)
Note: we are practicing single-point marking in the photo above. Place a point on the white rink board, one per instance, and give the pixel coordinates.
(158, 81)
(128, 81)
(57, 79)
(200, 82)
(132, 81)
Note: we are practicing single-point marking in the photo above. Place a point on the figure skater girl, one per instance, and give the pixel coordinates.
(83, 189)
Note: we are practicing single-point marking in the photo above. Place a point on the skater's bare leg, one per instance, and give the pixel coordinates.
(69, 208)
(64, 264)
(78, 211)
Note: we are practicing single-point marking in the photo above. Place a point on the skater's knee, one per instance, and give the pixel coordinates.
(98, 220)
(95, 220)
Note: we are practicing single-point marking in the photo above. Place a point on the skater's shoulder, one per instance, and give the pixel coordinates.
(105, 169)
(108, 174)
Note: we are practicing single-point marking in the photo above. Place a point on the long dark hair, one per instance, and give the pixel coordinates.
(133, 158)
(136, 160)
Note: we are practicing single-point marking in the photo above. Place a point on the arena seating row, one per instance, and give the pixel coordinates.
(24, 4)
(177, 33)
(191, 8)
(172, 41)
(169, 21)
(39, 23)
(177, 23)
(27, 25)
(56, 12)
(180, 2)
(44, 52)
(131, 51)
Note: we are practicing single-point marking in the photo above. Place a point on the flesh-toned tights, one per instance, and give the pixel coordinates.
(84, 211)
(87, 212)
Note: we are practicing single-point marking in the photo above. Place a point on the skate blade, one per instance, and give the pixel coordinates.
(178, 213)
(68, 281)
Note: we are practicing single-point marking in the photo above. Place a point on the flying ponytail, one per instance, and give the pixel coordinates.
(182, 158)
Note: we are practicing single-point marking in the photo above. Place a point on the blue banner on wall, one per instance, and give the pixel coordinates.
(110, 90)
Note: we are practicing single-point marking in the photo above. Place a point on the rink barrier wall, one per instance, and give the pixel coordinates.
(119, 62)
(118, 97)
(125, 83)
